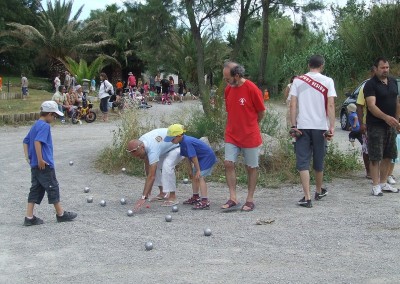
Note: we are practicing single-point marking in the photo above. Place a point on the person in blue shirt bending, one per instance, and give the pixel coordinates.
(201, 159)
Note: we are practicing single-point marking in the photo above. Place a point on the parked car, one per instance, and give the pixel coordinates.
(352, 98)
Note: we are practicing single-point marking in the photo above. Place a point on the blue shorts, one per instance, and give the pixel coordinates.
(312, 142)
(24, 91)
(204, 173)
(44, 181)
(250, 154)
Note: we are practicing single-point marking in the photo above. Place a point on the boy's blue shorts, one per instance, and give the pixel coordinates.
(44, 181)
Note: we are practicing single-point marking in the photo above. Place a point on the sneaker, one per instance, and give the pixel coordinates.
(388, 187)
(202, 205)
(192, 200)
(391, 180)
(67, 216)
(34, 221)
(305, 203)
(376, 190)
(318, 196)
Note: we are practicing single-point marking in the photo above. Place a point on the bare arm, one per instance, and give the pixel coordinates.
(261, 115)
(150, 177)
(38, 148)
(360, 113)
(390, 120)
(26, 152)
(293, 110)
(331, 114)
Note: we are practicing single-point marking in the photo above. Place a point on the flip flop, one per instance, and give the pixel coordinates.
(170, 203)
(232, 206)
(248, 204)
(157, 198)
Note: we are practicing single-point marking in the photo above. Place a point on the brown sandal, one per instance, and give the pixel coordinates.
(250, 205)
(232, 206)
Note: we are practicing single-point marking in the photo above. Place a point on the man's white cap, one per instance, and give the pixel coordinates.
(50, 106)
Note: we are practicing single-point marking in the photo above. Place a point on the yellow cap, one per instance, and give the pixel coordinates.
(173, 131)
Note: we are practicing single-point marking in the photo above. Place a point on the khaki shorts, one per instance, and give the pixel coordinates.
(250, 154)
(381, 142)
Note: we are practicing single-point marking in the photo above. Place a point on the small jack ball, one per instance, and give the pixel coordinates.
(148, 245)
(207, 232)
(147, 206)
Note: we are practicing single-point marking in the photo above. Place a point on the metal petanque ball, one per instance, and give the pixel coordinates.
(123, 201)
(103, 203)
(185, 180)
(148, 245)
(207, 232)
(123, 170)
(168, 218)
(175, 208)
(86, 190)
(129, 213)
(71, 163)
(89, 199)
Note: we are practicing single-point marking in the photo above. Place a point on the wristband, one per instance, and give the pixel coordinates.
(143, 197)
(293, 126)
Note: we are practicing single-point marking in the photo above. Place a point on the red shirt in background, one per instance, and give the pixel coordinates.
(243, 105)
(132, 81)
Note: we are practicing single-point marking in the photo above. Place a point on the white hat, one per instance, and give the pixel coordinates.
(130, 73)
(352, 107)
(50, 106)
(77, 87)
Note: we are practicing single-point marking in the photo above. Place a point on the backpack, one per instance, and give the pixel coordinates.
(110, 91)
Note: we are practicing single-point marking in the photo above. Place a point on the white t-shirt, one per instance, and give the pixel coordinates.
(155, 146)
(311, 103)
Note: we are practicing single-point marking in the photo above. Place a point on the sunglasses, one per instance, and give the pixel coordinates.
(134, 149)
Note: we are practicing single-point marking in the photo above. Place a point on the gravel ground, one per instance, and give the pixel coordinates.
(348, 237)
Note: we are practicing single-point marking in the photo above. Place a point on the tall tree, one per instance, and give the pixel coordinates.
(55, 33)
(201, 14)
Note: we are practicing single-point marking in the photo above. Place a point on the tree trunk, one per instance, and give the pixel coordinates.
(203, 93)
(264, 44)
(244, 15)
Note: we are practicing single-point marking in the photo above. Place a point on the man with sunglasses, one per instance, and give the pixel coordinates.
(160, 159)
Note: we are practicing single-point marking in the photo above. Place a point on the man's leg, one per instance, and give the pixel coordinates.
(252, 174)
(384, 170)
(305, 182)
(374, 170)
(366, 165)
(318, 180)
(230, 174)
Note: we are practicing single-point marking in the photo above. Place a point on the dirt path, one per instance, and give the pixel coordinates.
(348, 237)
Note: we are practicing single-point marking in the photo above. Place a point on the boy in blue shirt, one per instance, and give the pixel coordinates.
(201, 159)
(38, 149)
(354, 125)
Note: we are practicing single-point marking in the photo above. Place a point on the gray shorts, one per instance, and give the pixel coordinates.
(250, 154)
(204, 173)
(44, 181)
(381, 142)
(312, 142)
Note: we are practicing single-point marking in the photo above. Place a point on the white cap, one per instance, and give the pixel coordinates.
(50, 106)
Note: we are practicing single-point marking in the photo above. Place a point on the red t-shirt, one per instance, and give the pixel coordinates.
(132, 80)
(243, 105)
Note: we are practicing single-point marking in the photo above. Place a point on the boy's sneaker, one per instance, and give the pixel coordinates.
(202, 205)
(34, 221)
(388, 187)
(192, 200)
(318, 196)
(376, 190)
(391, 180)
(67, 216)
(305, 203)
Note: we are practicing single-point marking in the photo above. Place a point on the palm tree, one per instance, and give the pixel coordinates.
(56, 34)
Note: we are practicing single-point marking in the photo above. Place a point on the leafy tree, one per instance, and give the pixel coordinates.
(55, 33)
(200, 15)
